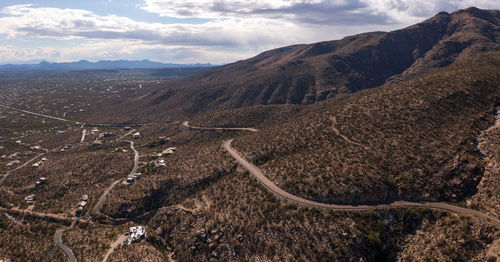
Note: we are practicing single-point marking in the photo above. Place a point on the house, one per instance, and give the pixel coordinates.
(44, 159)
(130, 179)
(94, 131)
(41, 181)
(127, 128)
(13, 163)
(37, 164)
(81, 205)
(107, 134)
(19, 142)
(136, 233)
(136, 175)
(60, 132)
(13, 156)
(172, 148)
(30, 199)
(160, 163)
(136, 135)
(167, 152)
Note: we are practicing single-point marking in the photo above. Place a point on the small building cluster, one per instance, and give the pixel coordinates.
(131, 178)
(81, 205)
(136, 135)
(136, 233)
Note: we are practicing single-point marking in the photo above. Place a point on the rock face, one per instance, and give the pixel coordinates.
(304, 74)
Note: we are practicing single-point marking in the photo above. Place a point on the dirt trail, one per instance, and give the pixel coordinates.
(114, 245)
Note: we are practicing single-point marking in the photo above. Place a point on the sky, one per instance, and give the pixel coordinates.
(190, 31)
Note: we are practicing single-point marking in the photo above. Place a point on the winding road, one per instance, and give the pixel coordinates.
(273, 188)
(255, 171)
(97, 207)
(58, 240)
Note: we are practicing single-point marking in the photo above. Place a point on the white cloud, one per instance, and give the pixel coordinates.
(235, 29)
(315, 11)
(24, 20)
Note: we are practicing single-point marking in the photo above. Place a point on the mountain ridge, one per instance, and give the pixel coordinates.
(310, 73)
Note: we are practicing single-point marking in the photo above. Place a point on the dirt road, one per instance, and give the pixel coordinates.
(113, 246)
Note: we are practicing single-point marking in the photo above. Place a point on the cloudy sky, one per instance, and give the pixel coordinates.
(190, 31)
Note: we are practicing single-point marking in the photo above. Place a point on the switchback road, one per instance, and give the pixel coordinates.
(257, 173)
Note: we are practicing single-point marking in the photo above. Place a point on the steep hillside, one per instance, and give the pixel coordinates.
(415, 139)
(305, 74)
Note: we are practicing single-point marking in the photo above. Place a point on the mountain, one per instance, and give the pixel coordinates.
(305, 74)
(86, 65)
(415, 139)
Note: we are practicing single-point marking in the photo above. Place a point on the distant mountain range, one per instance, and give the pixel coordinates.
(86, 65)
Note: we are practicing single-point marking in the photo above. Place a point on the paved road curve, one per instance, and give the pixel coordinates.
(186, 124)
(305, 202)
(63, 247)
(97, 207)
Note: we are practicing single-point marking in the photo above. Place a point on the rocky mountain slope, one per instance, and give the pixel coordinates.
(305, 74)
(416, 139)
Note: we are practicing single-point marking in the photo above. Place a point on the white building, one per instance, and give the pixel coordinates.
(136, 233)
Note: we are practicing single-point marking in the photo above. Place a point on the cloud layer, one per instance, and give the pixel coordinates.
(234, 29)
